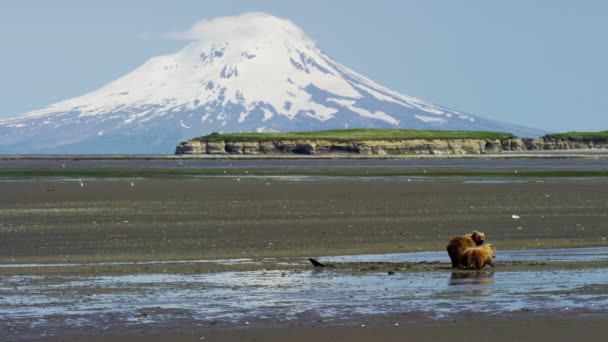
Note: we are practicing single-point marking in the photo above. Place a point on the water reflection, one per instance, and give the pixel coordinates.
(479, 283)
(473, 277)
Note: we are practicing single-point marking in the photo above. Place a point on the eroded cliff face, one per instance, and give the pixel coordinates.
(381, 147)
(545, 143)
(377, 147)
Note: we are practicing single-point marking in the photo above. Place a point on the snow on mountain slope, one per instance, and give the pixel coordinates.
(253, 72)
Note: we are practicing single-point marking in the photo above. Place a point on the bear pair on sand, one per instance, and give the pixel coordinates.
(466, 251)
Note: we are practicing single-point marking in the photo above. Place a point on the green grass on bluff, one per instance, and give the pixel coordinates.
(356, 135)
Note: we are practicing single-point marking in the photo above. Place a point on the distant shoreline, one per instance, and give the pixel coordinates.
(582, 153)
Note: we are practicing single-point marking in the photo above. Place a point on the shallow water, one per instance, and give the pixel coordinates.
(153, 262)
(58, 305)
(418, 162)
(558, 254)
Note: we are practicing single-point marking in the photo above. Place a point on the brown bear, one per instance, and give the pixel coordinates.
(478, 257)
(458, 244)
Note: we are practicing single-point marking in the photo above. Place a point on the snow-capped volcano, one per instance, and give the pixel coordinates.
(253, 72)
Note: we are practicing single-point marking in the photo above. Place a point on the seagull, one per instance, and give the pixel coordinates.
(132, 184)
(81, 184)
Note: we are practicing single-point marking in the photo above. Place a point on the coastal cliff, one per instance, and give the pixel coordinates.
(385, 142)
(370, 147)
(549, 143)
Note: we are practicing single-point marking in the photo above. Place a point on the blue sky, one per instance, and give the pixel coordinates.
(538, 63)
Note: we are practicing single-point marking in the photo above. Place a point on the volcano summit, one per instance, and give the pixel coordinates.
(252, 72)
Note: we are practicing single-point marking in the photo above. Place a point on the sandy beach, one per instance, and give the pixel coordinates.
(468, 328)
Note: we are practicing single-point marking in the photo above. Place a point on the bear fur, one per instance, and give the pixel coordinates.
(458, 244)
(478, 257)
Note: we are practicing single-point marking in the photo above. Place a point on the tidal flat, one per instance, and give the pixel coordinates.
(93, 220)
(226, 256)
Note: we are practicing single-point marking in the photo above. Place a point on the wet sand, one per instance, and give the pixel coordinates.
(592, 160)
(289, 219)
(471, 328)
(46, 221)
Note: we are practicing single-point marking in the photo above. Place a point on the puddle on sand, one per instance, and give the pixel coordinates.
(32, 306)
(154, 262)
(495, 181)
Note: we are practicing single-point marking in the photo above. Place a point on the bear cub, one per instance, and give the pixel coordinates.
(478, 257)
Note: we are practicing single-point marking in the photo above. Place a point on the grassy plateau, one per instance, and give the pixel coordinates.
(356, 135)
